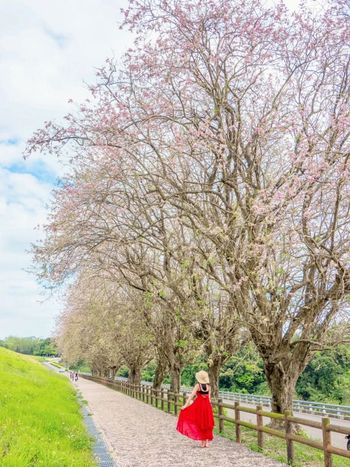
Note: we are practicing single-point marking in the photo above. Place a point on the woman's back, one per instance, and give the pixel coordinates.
(203, 388)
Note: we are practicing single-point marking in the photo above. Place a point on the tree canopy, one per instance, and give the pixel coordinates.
(209, 187)
(45, 347)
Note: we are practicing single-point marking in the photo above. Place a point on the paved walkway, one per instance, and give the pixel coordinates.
(139, 435)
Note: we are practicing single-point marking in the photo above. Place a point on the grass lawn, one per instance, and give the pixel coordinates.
(40, 420)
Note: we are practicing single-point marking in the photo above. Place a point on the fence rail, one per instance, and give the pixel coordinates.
(171, 402)
(309, 407)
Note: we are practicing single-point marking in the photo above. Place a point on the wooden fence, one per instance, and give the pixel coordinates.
(171, 402)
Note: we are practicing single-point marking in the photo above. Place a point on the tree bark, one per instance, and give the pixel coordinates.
(214, 372)
(159, 373)
(282, 384)
(134, 375)
(175, 377)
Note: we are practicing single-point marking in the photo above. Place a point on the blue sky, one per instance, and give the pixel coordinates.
(48, 49)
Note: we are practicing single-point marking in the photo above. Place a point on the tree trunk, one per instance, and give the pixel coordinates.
(159, 373)
(175, 378)
(214, 372)
(112, 373)
(282, 384)
(134, 375)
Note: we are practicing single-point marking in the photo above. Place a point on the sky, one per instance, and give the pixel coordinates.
(49, 50)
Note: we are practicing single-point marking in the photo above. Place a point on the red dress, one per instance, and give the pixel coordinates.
(196, 421)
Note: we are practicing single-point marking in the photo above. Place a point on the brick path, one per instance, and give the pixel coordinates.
(139, 435)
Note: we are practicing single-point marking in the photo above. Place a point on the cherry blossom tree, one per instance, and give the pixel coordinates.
(103, 327)
(235, 118)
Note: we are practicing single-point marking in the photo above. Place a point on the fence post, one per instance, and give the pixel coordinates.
(162, 398)
(176, 402)
(169, 400)
(290, 445)
(260, 424)
(326, 436)
(237, 419)
(220, 414)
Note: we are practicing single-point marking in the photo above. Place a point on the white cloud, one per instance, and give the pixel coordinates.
(49, 48)
(22, 199)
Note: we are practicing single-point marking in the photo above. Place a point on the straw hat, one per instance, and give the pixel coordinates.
(202, 377)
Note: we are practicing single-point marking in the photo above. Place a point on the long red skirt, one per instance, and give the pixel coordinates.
(197, 421)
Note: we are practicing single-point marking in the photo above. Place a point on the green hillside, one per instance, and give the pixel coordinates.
(40, 420)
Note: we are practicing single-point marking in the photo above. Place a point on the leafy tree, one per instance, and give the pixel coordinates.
(31, 345)
(327, 377)
(222, 145)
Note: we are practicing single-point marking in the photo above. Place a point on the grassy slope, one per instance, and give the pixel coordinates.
(40, 420)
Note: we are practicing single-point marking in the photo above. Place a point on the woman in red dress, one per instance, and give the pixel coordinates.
(196, 419)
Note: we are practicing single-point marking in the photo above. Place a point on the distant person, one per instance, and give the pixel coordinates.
(196, 420)
(75, 376)
(71, 376)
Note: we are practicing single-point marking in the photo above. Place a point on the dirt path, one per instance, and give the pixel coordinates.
(139, 435)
